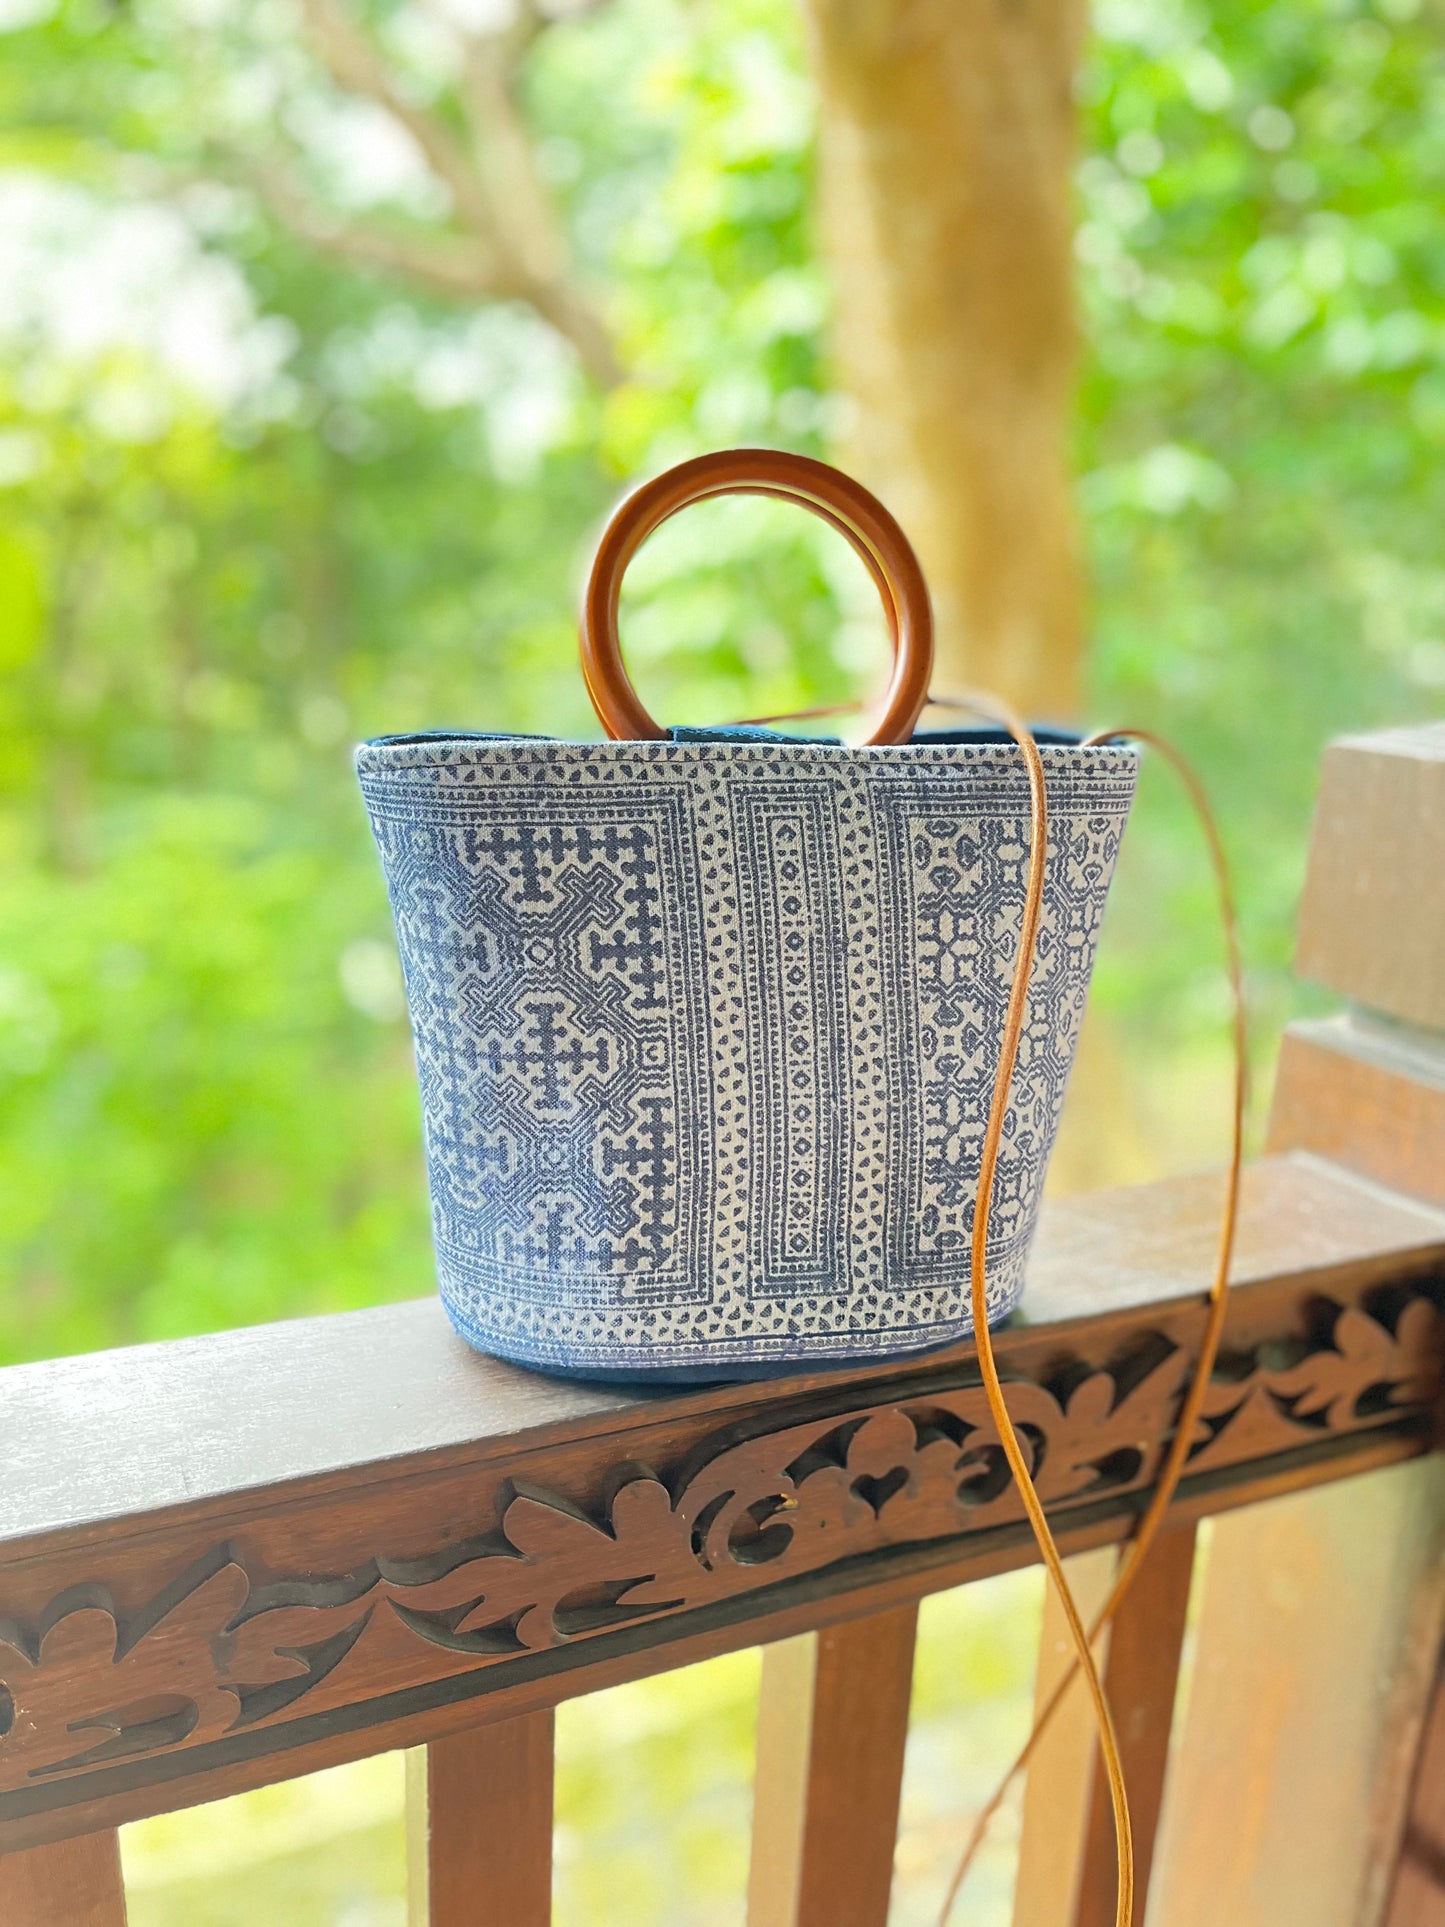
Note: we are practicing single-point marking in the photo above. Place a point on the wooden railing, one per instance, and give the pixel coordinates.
(232, 1560)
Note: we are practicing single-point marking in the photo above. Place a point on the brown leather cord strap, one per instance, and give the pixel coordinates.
(843, 503)
(1013, 1446)
(1186, 1429)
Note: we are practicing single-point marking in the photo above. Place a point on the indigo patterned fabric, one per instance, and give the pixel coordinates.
(706, 1033)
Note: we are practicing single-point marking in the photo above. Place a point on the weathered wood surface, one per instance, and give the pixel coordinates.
(832, 1728)
(1372, 920)
(1367, 1095)
(170, 1631)
(1317, 1626)
(1321, 1616)
(102, 1445)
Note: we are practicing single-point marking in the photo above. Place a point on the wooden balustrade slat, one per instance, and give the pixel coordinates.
(1313, 1611)
(70, 1883)
(479, 1838)
(1145, 1643)
(1059, 1781)
(1367, 1089)
(832, 1729)
(780, 1779)
(1417, 1887)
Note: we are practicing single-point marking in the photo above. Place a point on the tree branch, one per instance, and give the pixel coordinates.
(503, 147)
(355, 63)
(452, 265)
(517, 244)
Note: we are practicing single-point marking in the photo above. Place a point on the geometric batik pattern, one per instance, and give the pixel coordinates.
(706, 1033)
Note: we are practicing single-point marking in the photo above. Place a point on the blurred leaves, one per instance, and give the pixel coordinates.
(260, 504)
(259, 501)
(1264, 293)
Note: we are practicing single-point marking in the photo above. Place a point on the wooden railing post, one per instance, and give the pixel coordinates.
(832, 1726)
(73, 1883)
(1321, 1614)
(479, 1837)
(1367, 1088)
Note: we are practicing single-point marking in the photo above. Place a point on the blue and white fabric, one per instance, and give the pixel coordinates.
(707, 1031)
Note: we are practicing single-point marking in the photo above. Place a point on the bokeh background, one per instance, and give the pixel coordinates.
(329, 331)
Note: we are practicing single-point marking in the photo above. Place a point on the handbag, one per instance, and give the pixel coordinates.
(707, 1020)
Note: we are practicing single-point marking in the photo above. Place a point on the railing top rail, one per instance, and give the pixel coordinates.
(111, 1440)
(231, 1559)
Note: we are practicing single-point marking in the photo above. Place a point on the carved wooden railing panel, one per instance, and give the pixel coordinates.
(137, 1652)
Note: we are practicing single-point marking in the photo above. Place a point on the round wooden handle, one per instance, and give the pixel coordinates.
(846, 504)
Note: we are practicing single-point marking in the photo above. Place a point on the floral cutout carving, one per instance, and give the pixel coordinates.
(220, 1651)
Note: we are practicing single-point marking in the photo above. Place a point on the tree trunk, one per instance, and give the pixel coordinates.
(946, 147)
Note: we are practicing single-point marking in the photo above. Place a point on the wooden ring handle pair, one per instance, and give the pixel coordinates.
(840, 501)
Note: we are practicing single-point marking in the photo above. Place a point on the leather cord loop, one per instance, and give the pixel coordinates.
(1187, 1423)
(843, 503)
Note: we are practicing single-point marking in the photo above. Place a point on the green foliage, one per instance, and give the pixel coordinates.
(1261, 431)
(259, 503)
(371, 516)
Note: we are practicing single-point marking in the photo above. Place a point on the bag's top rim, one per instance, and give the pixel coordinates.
(741, 742)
